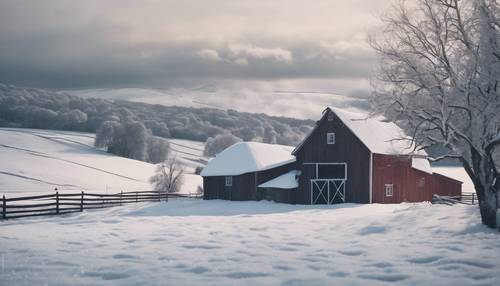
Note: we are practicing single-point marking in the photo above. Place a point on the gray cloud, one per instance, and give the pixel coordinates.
(93, 43)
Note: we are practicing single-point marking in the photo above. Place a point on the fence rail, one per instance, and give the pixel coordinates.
(56, 204)
(465, 198)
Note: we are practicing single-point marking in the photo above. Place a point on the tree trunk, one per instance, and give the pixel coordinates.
(488, 206)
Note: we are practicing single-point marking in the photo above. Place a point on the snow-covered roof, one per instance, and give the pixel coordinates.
(378, 134)
(421, 164)
(246, 157)
(285, 181)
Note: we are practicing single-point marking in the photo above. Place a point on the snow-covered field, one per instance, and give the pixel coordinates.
(195, 242)
(36, 161)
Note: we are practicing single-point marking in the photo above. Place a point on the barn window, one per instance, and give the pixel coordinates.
(330, 116)
(330, 138)
(389, 190)
(421, 183)
(229, 181)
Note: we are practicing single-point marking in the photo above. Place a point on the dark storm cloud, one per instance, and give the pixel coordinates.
(117, 43)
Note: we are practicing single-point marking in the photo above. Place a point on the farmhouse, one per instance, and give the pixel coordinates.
(347, 157)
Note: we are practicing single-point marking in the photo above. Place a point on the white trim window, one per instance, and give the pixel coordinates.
(330, 138)
(228, 181)
(389, 190)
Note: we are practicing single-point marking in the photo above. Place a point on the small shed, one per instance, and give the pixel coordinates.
(236, 172)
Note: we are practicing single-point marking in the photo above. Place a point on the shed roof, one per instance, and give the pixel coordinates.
(285, 181)
(246, 157)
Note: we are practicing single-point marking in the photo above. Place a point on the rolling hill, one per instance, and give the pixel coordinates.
(34, 161)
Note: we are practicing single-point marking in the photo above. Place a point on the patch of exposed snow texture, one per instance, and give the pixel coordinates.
(246, 157)
(421, 164)
(196, 242)
(285, 181)
(378, 134)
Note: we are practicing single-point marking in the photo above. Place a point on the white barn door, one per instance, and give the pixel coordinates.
(328, 186)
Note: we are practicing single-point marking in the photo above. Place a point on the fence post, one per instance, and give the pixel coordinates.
(4, 207)
(473, 198)
(81, 202)
(136, 197)
(166, 196)
(121, 197)
(57, 202)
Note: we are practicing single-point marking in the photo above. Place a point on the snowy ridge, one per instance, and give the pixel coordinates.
(245, 157)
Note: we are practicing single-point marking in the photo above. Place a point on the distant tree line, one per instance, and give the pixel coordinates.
(138, 130)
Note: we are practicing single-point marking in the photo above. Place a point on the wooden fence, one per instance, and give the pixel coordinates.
(56, 204)
(465, 198)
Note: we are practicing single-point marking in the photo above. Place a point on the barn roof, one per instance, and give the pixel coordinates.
(378, 134)
(285, 181)
(246, 157)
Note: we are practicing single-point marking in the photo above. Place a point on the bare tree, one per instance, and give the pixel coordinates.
(439, 76)
(168, 177)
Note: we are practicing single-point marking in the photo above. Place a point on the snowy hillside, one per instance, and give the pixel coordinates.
(193, 242)
(189, 152)
(34, 161)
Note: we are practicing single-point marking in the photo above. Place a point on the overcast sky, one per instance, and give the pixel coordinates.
(290, 44)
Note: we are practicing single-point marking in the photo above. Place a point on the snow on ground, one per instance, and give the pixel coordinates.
(36, 161)
(195, 242)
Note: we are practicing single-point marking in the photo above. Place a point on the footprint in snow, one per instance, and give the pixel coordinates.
(283, 267)
(424, 260)
(106, 275)
(244, 275)
(338, 274)
(467, 262)
(381, 264)
(200, 246)
(125, 256)
(258, 228)
(351, 252)
(384, 277)
(374, 229)
(198, 270)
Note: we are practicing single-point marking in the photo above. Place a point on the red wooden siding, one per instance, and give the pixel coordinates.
(410, 185)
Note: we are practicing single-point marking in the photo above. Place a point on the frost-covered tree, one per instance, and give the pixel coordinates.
(158, 149)
(215, 145)
(105, 133)
(168, 177)
(134, 140)
(72, 119)
(440, 77)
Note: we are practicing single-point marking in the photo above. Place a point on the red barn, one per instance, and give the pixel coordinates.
(347, 157)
